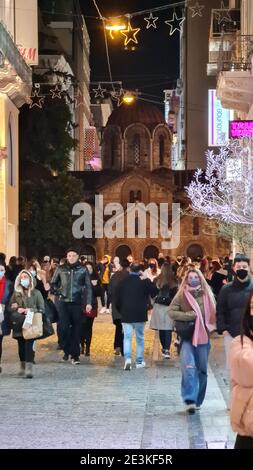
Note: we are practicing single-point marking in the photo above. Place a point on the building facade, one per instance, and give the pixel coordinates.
(136, 158)
(18, 49)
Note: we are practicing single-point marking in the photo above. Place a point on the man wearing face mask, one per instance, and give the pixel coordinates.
(232, 301)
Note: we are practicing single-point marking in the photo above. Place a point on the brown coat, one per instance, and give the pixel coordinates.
(241, 365)
(180, 308)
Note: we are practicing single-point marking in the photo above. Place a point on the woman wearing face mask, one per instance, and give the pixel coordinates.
(24, 298)
(152, 271)
(5, 294)
(88, 317)
(194, 301)
(241, 369)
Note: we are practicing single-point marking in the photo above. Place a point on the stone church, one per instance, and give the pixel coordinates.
(136, 159)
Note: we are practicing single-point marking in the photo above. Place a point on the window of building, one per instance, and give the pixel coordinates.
(11, 168)
(135, 196)
(195, 226)
(161, 150)
(137, 149)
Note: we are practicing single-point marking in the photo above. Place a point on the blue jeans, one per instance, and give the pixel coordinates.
(128, 335)
(194, 362)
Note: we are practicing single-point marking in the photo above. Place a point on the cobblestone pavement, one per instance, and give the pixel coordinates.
(99, 405)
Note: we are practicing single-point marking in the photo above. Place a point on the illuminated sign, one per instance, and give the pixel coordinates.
(218, 121)
(238, 129)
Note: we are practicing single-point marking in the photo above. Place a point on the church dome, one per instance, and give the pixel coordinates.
(139, 112)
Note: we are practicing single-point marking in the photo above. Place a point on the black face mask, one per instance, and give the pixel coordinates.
(242, 274)
(152, 266)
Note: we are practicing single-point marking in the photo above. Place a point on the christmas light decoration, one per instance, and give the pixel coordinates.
(130, 34)
(115, 27)
(151, 21)
(56, 93)
(225, 191)
(36, 100)
(175, 24)
(99, 91)
(197, 9)
(223, 16)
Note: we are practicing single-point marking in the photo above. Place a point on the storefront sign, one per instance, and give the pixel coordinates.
(26, 30)
(239, 129)
(218, 121)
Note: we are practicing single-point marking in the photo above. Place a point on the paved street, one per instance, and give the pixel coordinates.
(99, 405)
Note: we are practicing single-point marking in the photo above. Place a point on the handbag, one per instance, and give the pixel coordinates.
(48, 329)
(164, 297)
(185, 329)
(92, 314)
(35, 329)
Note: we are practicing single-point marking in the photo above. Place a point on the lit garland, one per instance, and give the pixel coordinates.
(130, 34)
(225, 190)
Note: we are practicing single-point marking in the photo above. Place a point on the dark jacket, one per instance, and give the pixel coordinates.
(132, 298)
(115, 281)
(217, 281)
(70, 281)
(96, 290)
(5, 326)
(232, 301)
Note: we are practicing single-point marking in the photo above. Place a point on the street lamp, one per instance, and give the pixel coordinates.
(129, 98)
(114, 27)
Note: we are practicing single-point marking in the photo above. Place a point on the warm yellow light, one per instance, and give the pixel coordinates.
(128, 98)
(115, 27)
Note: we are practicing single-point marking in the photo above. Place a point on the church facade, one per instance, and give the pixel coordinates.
(136, 157)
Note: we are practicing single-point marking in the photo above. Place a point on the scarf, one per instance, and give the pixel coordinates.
(2, 289)
(200, 335)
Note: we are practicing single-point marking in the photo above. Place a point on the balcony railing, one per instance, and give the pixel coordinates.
(235, 53)
(225, 21)
(9, 51)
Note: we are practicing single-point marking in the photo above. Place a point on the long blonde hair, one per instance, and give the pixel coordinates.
(204, 286)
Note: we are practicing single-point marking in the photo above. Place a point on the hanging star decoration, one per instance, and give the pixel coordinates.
(116, 95)
(99, 91)
(151, 21)
(197, 9)
(56, 93)
(175, 23)
(37, 100)
(78, 100)
(130, 34)
(223, 16)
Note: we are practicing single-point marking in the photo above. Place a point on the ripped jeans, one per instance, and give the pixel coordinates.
(194, 362)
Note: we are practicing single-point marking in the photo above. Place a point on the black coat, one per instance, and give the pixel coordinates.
(115, 281)
(70, 281)
(132, 298)
(231, 305)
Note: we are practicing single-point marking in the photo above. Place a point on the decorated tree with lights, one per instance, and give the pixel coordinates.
(224, 192)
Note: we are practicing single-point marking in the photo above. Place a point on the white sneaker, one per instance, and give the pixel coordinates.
(108, 310)
(190, 408)
(128, 365)
(103, 310)
(141, 365)
(166, 354)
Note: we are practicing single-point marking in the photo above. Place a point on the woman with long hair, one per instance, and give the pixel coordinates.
(194, 301)
(152, 271)
(160, 320)
(241, 369)
(24, 298)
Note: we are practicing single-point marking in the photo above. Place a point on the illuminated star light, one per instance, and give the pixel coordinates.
(56, 92)
(99, 92)
(151, 20)
(37, 99)
(130, 34)
(175, 23)
(197, 9)
(224, 15)
(116, 95)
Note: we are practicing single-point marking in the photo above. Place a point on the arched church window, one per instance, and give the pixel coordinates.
(161, 150)
(137, 149)
(195, 226)
(131, 196)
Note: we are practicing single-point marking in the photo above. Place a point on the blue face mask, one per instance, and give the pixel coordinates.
(193, 282)
(2, 273)
(25, 283)
(33, 273)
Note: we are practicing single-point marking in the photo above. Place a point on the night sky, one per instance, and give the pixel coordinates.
(153, 66)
